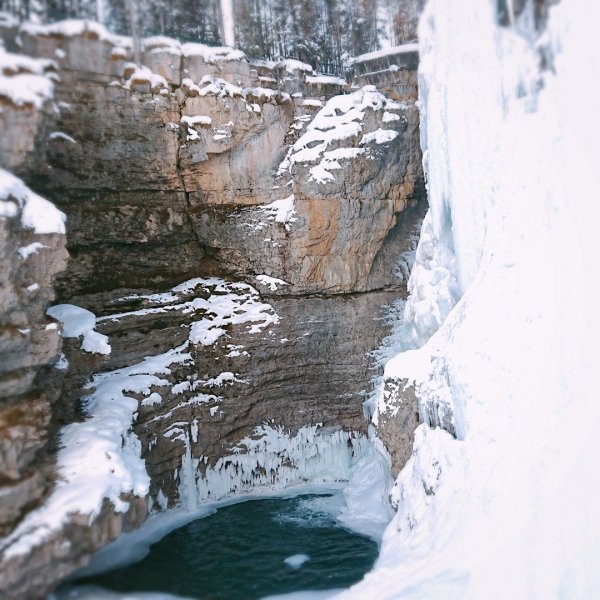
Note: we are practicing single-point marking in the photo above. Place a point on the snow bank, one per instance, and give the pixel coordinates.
(212, 54)
(26, 81)
(67, 28)
(325, 80)
(100, 457)
(291, 65)
(215, 86)
(78, 27)
(281, 211)
(193, 123)
(137, 76)
(37, 213)
(77, 322)
(379, 136)
(391, 51)
(507, 266)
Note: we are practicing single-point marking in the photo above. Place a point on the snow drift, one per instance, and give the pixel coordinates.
(504, 326)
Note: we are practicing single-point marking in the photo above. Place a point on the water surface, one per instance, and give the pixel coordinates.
(250, 550)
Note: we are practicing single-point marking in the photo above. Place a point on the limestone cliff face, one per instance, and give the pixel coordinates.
(32, 253)
(29, 346)
(242, 281)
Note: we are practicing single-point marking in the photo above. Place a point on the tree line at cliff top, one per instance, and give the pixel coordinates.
(323, 33)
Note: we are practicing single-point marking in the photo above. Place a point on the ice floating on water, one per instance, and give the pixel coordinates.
(296, 561)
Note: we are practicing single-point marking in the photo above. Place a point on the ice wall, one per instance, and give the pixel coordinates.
(270, 460)
(502, 306)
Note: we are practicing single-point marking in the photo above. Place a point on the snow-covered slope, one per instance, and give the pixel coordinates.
(503, 303)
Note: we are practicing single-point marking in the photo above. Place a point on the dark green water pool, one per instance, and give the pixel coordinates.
(248, 551)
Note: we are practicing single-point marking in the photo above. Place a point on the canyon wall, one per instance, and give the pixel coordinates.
(235, 232)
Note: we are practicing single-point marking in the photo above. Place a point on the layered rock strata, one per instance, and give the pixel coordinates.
(235, 231)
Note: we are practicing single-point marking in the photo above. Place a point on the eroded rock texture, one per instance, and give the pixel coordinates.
(189, 175)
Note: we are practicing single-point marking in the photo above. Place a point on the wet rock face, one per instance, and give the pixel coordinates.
(175, 181)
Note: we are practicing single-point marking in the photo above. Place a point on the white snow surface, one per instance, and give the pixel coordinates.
(305, 595)
(379, 136)
(212, 54)
(280, 211)
(325, 79)
(77, 322)
(25, 80)
(142, 74)
(339, 120)
(78, 27)
(67, 28)
(37, 213)
(390, 51)
(271, 282)
(60, 135)
(33, 248)
(508, 267)
(291, 65)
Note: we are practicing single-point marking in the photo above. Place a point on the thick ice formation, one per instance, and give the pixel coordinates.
(271, 459)
(507, 267)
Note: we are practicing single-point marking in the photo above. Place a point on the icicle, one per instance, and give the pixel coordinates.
(273, 458)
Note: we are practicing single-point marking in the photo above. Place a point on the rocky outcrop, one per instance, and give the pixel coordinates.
(32, 248)
(236, 251)
(396, 425)
(29, 346)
